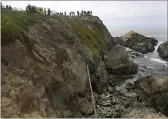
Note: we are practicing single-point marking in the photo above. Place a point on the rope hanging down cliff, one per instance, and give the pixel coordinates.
(91, 92)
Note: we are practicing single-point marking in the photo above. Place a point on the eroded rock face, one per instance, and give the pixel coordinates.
(119, 63)
(99, 78)
(137, 42)
(44, 74)
(155, 90)
(163, 50)
(142, 113)
(42, 80)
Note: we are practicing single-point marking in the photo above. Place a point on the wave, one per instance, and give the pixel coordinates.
(159, 61)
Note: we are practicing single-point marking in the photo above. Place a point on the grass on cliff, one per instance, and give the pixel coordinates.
(14, 23)
(93, 38)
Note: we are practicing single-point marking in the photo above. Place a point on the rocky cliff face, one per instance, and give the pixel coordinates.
(44, 72)
(44, 64)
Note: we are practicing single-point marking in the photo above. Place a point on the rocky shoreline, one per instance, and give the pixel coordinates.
(114, 103)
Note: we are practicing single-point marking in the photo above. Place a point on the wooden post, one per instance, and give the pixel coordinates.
(92, 92)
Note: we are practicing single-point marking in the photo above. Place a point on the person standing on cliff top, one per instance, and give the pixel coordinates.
(44, 10)
(90, 12)
(49, 11)
(65, 13)
(78, 13)
(7, 7)
(82, 13)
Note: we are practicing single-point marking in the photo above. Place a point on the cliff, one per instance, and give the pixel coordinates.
(44, 62)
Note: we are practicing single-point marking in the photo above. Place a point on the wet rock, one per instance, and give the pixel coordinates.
(137, 54)
(129, 86)
(137, 42)
(111, 81)
(138, 112)
(155, 90)
(119, 63)
(67, 114)
(6, 102)
(110, 89)
(100, 78)
(105, 103)
(163, 50)
(86, 108)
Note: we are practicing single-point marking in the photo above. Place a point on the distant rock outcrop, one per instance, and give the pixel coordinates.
(137, 42)
(163, 50)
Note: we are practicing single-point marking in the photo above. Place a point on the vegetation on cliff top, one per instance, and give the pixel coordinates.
(16, 23)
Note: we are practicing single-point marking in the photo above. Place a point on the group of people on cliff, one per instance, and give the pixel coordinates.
(82, 13)
(72, 13)
(33, 9)
(8, 7)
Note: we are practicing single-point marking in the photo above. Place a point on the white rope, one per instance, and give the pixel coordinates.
(92, 92)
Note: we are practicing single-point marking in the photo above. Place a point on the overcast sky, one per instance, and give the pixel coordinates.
(147, 17)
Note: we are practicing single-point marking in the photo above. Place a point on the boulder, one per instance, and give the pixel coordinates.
(119, 63)
(155, 90)
(137, 42)
(99, 79)
(86, 108)
(138, 112)
(163, 50)
(129, 86)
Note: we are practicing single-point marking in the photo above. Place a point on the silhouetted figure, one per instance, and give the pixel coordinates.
(65, 13)
(78, 13)
(90, 12)
(82, 13)
(44, 10)
(33, 9)
(10, 8)
(28, 9)
(49, 11)
(7, 7)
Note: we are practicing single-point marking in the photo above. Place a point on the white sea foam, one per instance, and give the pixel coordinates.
(159, 61)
